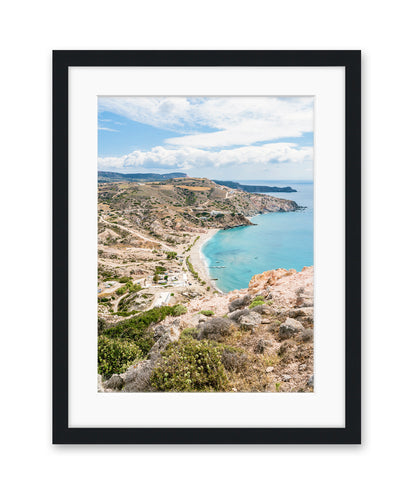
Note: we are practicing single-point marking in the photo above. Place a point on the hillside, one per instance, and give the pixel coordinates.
(160, 314)
(254, 340)
(150, 234)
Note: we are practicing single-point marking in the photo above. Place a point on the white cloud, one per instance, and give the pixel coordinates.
(107, 129)
(186, 158)
(218, 121)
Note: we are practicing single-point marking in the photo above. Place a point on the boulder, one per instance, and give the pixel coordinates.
(310, 381)
(262, 309)
(290, 328)
(234, 316)
(116, 382)
(137, 377)
(307, 335)
(239, 303)
(250, 321)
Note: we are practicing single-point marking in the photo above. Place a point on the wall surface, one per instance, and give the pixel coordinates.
(382, 466)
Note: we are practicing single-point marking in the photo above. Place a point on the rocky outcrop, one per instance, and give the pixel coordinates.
(290, 328)
(286, 288)
(239, 303)
(137, 376)
(250, 321)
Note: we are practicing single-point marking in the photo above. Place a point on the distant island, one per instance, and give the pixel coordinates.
(137, 177)
(253, 188)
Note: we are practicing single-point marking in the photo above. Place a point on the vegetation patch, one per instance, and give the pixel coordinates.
(116, 355)
(258, 300)
(189, 365)
(208, 313)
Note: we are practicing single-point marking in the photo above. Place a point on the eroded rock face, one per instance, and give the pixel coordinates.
(269, 278)
(286, 288)
(290, 328)
(159, 331)
(172, 334)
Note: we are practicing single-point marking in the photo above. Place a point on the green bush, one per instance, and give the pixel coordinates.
(129, 287)
(124, 313)
(189, 332)
(207, 312)
(116, 355)
(124, 279)
(136, 327)
(258, 300)
(191, 268)
(190, 366)
(101, 325)
(178, 309)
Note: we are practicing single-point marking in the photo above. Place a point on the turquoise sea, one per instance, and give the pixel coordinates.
(278, 240)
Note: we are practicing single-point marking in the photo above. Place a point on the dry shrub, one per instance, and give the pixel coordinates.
(215, 328)
(233, 361)
(287, 351)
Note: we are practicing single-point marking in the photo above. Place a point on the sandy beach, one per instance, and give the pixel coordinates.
(198, 260)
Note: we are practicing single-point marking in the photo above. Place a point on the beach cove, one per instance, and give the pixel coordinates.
(278, 240)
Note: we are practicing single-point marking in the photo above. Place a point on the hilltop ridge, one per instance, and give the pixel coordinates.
(136, 177)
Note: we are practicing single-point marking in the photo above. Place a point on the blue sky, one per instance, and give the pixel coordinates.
(233, 138)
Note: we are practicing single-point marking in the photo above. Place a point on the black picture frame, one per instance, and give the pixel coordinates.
(351, 434)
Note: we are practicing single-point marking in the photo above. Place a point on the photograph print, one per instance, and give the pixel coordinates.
(205, 244)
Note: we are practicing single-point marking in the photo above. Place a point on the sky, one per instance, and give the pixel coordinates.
(224, 138)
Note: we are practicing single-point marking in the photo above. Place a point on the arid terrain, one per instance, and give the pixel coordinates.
(163, 324)
(150, 235)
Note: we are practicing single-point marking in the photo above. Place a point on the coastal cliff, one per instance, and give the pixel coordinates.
(253, 188)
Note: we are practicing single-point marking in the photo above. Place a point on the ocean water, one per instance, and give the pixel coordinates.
(278, 240)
